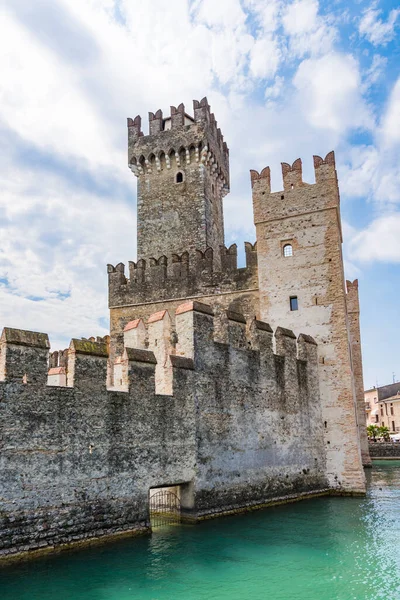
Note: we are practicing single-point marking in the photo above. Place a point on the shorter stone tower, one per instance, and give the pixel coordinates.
(182, 168)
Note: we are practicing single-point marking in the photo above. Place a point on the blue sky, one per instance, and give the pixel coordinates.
(285, 79)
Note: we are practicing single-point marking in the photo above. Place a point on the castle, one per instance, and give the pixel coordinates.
(238, 386)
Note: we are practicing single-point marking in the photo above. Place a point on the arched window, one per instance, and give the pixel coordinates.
(179, 177)
(287, 250)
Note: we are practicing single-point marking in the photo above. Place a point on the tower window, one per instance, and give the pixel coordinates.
(179, 177)
(294, 305)
(287, 250)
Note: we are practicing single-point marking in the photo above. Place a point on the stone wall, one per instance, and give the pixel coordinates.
(243, 425)
(384, 450)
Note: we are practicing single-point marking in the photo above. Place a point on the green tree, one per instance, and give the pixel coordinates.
(384, 433)
(373, 431)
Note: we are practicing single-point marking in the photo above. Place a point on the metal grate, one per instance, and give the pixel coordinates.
(165, 509)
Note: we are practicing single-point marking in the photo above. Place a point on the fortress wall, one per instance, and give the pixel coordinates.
(259, 425)
(78, 462)
(242, 425)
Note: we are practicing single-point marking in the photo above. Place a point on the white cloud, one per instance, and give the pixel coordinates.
(373, 171)
(329, 90)
(266, 13)
(225, 14)
(264, 58)
(375, 71)
(358, 174)
(42, 102)
(307, 31)
(391, 119)
(376, 30)
(54, 252)
(300, 17)
(380, 241)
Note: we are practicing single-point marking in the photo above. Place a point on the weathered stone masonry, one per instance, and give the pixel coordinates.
(242, 425)
(192, 388)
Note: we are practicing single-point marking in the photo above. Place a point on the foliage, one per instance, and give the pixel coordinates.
(373, 431)
(381, 432)
(384, 433)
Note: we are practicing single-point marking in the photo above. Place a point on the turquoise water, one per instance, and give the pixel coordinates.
(322, 549)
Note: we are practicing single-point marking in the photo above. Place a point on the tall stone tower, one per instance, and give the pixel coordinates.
(182, 168)
(301, 284)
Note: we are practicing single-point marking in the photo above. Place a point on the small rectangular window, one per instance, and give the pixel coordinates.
(294, 305)
(391, 410)
(393, 426)
(376, 418)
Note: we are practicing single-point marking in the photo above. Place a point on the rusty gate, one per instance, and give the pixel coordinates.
(165, 508)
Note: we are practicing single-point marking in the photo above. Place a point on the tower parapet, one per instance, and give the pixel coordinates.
(297, 196)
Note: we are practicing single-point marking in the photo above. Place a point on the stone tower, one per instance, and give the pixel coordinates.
(301, 284)
(182, 168)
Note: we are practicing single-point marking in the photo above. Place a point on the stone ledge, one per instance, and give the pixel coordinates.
(21, 337)
(285, 332)
(88, 347)
(141, 356)
(303, 337)
(182, 362)
(263, 326)
(195, 306)
(235, 316)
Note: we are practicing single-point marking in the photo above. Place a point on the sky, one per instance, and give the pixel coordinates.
(284, 79)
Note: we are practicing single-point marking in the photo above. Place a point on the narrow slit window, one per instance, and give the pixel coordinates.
(294, 305)
(179, 177)
(287, 250)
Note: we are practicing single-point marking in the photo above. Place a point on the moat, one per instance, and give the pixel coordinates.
(321, 549)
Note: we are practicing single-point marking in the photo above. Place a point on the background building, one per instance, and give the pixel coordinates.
(382, 406)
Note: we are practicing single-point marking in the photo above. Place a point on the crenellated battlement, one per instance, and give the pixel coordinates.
(297, 196)
(190, 344)
(179, 141)
(181, 275)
